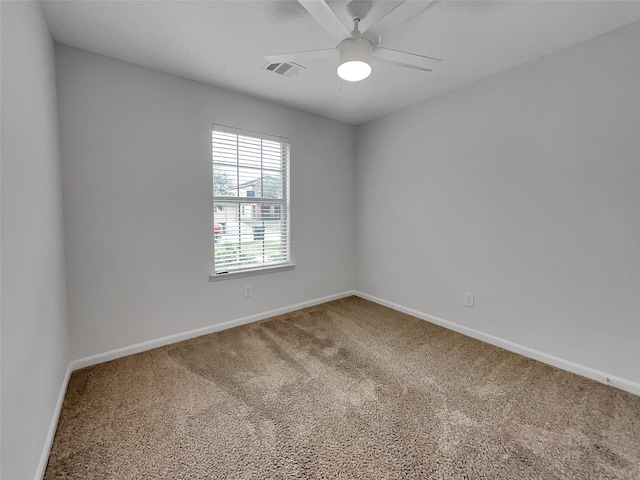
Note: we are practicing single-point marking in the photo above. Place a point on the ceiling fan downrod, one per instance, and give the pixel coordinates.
(356, 30)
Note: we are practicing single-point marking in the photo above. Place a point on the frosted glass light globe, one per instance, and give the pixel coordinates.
(354, 70)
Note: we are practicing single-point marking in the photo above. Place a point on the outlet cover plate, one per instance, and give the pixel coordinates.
(468, 300)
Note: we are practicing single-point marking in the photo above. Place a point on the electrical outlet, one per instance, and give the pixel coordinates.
(468, 300)
(247, 290)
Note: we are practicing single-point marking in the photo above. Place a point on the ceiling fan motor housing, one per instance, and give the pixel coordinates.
(355, 50)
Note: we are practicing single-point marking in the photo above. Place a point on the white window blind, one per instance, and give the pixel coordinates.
(250, 200)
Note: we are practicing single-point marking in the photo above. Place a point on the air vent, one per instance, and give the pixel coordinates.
(284, 69)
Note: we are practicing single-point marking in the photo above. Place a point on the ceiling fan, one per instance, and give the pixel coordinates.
(355, 50)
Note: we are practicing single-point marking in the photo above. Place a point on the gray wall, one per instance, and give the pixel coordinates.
(136, 148)
(34, 312)
(523, 189)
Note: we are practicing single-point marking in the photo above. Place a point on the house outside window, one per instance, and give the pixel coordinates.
(251, 208)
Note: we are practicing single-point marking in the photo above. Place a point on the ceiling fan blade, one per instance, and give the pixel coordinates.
(410, 60)
(319, 9)
(403, 12)
(299, 57)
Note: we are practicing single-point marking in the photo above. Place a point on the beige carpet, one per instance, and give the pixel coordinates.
(348, 389)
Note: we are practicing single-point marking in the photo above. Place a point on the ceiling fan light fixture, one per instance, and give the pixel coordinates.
(354, 70)
(355, 59)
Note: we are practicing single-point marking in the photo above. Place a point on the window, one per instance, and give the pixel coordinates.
(250, 202)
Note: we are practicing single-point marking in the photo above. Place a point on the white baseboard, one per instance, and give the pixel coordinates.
(44, 458)
(159, 342)
(603, 377)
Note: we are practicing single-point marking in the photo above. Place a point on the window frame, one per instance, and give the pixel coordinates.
(284, 203)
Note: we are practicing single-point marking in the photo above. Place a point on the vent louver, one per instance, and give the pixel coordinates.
(284, 69)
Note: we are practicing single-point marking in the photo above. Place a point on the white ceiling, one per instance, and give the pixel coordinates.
(223, 43)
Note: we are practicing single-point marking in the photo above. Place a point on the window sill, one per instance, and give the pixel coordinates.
(215, 277)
